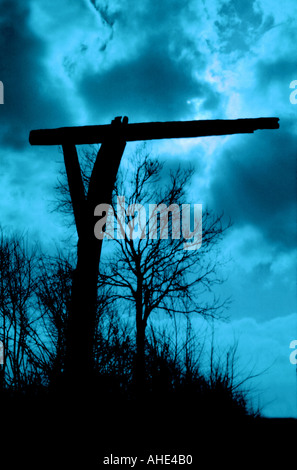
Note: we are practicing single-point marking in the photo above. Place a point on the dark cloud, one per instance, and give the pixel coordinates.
(152, 86)
(255, 182)
(282, 69)
(104, 11)
(144, 18)
(239, 24)
(31, 99)
(152, 63)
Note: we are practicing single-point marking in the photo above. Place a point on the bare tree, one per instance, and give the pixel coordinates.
(23, 348)
(53, 297)
(159, 273)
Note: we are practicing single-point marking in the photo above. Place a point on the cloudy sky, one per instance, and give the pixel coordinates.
(85, 62)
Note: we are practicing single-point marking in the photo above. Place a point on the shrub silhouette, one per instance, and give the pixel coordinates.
(177, 396)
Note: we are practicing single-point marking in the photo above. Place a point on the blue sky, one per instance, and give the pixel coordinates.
(85, 62)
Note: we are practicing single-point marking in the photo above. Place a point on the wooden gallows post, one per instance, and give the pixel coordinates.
(113, 138)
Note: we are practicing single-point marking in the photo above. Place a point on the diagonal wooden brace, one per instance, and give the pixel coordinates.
(75, 183)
